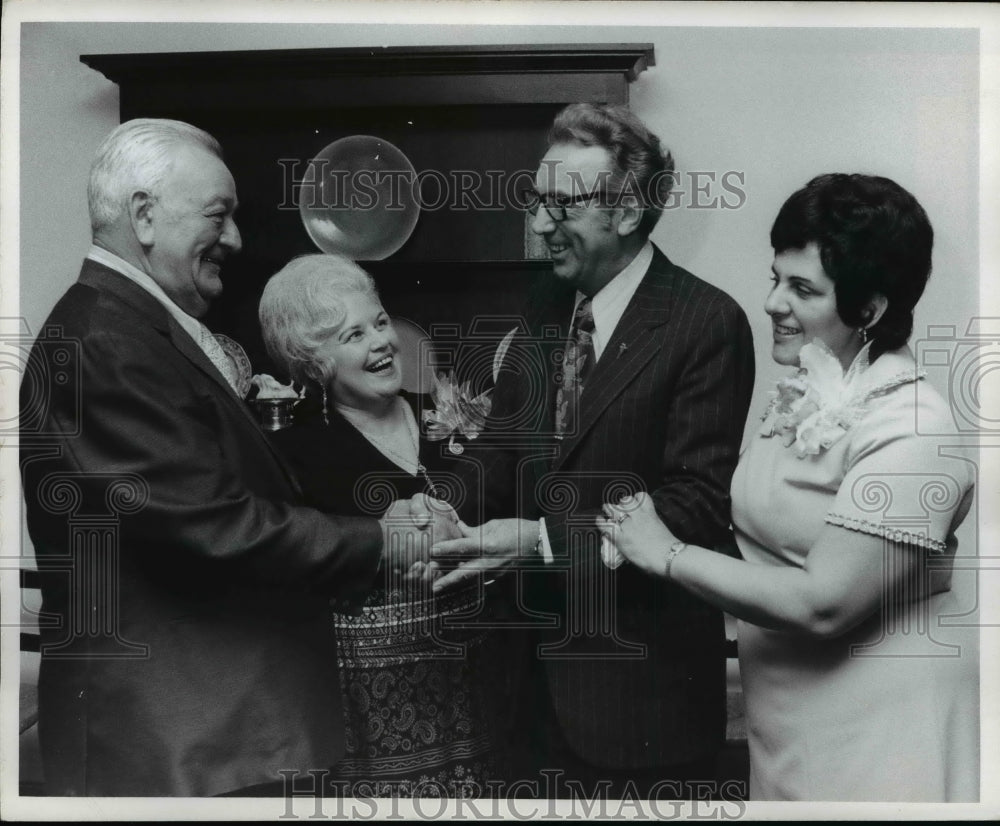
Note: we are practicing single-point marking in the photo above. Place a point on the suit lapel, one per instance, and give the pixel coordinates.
(159, 319)
(146, 305)
(636, 339)
(555, 312)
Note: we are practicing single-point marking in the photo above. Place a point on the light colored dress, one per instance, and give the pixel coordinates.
(890, 710)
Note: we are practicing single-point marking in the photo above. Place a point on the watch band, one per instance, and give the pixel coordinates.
(675, 549)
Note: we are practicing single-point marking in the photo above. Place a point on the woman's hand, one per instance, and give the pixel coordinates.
(421, 577)
(634, 528)
(409, 527)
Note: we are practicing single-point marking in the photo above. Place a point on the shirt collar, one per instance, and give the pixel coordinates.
(190, 324)
(610, 301)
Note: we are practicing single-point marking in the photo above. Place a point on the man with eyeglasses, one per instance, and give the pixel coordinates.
(633, 375)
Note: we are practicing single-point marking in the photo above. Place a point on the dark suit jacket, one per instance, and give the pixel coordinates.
(635, 667)
(187, 646)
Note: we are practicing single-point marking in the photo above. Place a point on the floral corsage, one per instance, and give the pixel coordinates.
(457, 412)
(813, 409)
(269, 387)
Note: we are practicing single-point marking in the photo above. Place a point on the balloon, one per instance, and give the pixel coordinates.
(358, 198)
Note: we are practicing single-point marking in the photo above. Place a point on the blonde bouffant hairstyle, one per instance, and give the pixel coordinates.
(302, 305)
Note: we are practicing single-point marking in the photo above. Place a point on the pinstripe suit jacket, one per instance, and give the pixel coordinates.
(635, 666)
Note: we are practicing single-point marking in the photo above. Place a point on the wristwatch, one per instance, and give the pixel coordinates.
(675, 549)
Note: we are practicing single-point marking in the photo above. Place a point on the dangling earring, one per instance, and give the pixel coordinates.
(863, 332)
(326, 419)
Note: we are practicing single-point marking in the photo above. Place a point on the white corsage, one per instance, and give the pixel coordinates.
(457, 412)
(813, 409)
(269, 387)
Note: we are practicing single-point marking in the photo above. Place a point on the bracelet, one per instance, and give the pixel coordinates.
(675, 549)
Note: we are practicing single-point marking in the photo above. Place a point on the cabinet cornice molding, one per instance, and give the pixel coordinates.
(283, 79)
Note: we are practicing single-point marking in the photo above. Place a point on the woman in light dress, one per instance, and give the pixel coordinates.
(860, 681)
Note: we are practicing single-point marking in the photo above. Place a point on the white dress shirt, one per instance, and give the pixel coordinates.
(610, 301)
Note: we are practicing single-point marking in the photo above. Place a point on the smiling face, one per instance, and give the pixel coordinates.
(803, 308)
(592, 244)
(189, 229)
(362, 354)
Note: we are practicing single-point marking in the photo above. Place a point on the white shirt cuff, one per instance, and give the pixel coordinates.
(610, 555)
(543, 545)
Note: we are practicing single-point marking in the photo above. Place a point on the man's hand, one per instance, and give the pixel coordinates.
(410, 527)
(489, 547)
(420, 577)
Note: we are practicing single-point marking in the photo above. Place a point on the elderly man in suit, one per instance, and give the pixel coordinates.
(632, 374)
(187, 645)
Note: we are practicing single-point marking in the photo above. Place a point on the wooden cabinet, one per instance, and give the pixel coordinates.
(469, 118)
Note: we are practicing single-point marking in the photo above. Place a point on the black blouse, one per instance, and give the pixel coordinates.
(341, 472)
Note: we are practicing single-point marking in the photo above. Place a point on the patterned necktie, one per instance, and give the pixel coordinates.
(578, 361)
(218, 357)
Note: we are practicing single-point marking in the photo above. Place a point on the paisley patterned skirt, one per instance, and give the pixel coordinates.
(421, 716)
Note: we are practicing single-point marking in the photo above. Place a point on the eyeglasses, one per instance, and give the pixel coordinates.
(554, 203)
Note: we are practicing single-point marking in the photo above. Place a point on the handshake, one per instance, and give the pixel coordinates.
(425, 541)
(410, 527)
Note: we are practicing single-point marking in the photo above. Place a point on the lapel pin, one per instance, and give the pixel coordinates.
(622, 348)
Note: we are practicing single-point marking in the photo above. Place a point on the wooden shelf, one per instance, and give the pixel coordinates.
(307, 78)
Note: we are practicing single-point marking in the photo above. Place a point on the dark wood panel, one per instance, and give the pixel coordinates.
(448, 245)
(286, 80)
(281, 95)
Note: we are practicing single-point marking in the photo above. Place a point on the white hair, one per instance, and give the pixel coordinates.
(302, 304)
(137, 156)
